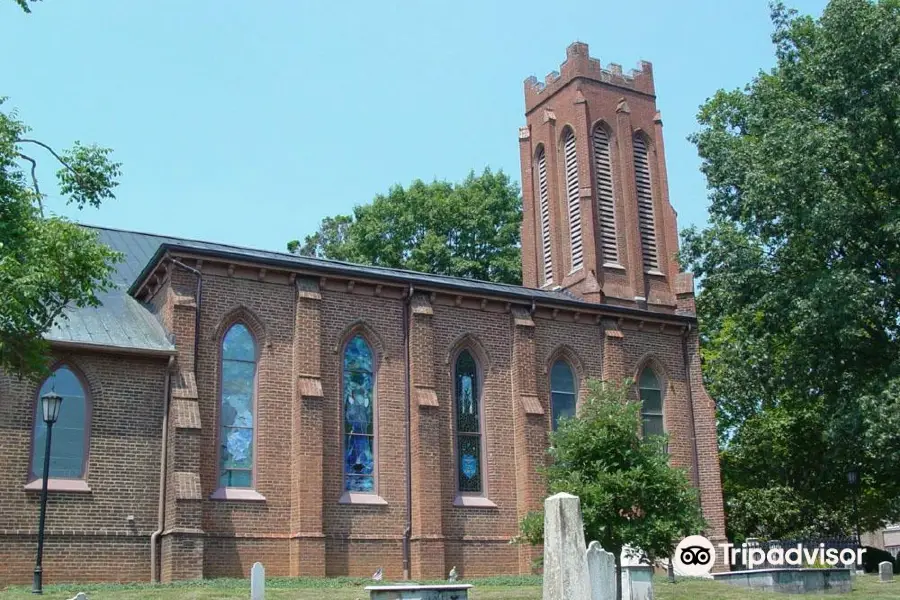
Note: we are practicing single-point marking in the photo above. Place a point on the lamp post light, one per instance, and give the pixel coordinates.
(50, 403)
(853, 482)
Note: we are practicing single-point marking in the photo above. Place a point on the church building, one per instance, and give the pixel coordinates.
(228, 405)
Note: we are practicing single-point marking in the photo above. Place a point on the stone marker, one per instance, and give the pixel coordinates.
(602, 572)
(257, 582)
(637, 582)
(885, 571)
(565, 561)
(79, 596)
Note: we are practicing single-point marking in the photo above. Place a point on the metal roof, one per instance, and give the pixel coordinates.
(120, 323)
(142, 260)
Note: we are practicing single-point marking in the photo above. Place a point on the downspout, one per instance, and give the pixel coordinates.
(687, 373)
(163, 461)
(407, 532)
(197, 300)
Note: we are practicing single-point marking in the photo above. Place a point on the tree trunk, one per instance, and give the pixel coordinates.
(618, 573)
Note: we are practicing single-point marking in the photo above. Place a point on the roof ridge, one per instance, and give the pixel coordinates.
(311, 258)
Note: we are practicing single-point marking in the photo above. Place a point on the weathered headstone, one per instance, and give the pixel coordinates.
(565, 561)
(885, 571)
(602, 572)
(637, 582)
(257, 582)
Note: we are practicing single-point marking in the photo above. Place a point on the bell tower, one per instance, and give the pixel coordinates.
(597, 220)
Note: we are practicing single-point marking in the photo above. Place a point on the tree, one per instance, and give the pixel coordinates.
(800, 271)
(47, 264)
(630, 494)
(468, 229)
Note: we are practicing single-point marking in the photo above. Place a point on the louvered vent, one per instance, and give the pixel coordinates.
(645, 203)
(605, 203)
(544, 193)
(571, 163)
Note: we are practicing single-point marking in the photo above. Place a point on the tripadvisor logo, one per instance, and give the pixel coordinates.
(695, 556)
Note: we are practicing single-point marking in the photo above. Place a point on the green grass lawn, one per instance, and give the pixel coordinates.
(497, 588)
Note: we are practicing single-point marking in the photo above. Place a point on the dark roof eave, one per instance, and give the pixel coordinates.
(73, 345)
(411, 278)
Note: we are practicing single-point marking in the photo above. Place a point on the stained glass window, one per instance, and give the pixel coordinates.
(69, 442)
(237, 416)
(468, 423)
(562, 392)
(359, 422)
(651, 403)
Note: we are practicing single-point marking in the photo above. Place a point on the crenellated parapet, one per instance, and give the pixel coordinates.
(579, 63)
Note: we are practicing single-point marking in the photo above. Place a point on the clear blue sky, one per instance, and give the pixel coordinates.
(247, 122)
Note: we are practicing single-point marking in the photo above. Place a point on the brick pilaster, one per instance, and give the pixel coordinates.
(307, 486)
(427, 542)
(532, 261)
(183, 536)
(530, 426)
(704, 427)
(613, 352)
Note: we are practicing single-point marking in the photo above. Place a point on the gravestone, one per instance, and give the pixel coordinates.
(565, 557)
(602, 572)
(885, 571)
(257, 582)
(637, 582)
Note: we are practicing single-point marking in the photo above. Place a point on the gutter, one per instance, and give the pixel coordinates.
(407, 532)
(687, 373)
(163, 463)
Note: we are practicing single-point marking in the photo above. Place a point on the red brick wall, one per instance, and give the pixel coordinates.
(88, 535)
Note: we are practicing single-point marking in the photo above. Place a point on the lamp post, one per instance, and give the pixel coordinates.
(853, 482)
(50, 403)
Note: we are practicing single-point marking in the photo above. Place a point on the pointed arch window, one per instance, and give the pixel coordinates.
(470, 463)
(572, 197)
(562, 392)
(651, 403)
(606, 207)
(237, 408)
(71, 432)
(359, 416)
(544, 200)
(645, 203)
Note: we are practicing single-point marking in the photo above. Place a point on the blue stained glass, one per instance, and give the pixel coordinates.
(67, 453)
(236, 478)
(236, 404)
(238, 344)
(469, 466)
(358, 355)
(359, 410)
(363, 483)
(359, 456)
(237, 448)
(467, 413)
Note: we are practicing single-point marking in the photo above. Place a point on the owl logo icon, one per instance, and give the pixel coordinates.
(694, 556)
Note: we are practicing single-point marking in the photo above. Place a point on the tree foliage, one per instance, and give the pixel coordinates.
(46, 262)
(800, 268)
(468, 229)
(630, 494)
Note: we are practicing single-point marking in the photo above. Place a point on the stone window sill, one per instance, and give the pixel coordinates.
(363, 499)
(59, 485)
(655, 273)
(473, 502)
(239, 494)
(614, 266)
